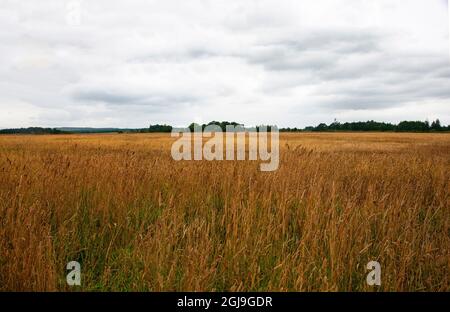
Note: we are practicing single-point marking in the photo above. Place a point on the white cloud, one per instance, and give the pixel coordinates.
(294, 63)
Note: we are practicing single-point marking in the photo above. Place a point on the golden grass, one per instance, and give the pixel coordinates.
(137, 220)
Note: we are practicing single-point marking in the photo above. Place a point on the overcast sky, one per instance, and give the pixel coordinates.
(291, 63)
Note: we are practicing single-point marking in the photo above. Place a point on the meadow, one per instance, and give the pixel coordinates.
(137, 220)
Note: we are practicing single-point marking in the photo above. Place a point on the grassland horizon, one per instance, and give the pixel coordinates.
(136, 220)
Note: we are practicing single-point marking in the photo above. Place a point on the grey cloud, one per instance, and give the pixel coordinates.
(107, 97)
(321, 53)
(378, 94)
(332, 60)
(337, 40)
(124, 98)
(176, 56)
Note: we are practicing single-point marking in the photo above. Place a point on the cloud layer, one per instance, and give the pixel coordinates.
(291, 63)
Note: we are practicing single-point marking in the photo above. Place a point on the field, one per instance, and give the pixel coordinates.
(137, 220)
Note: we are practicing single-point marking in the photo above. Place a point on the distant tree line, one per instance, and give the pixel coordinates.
(404, 126)
(32, 130)
(150, 129)
(374, 126)
(153, 129)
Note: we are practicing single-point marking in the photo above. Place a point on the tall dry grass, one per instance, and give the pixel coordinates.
(137, 220)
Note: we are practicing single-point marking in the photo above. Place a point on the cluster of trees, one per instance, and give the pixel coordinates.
(160, 128)
(150, 129)
(421, 126)
(32, 130)
(222, 124)
(404, 126)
